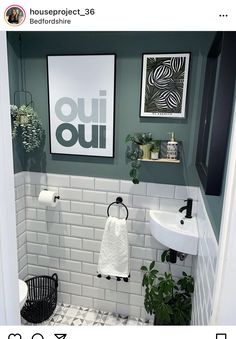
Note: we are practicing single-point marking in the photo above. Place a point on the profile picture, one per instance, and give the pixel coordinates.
(15, 15)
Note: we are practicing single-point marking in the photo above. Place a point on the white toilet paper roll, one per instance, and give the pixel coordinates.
(48, 198)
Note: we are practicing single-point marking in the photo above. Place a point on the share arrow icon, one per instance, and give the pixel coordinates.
(60, 336)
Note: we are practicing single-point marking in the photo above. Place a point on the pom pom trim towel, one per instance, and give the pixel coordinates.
(114, 253)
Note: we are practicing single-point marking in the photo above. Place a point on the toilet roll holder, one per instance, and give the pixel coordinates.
(57, 197)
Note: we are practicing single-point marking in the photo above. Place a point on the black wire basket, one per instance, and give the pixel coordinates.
(41, 299)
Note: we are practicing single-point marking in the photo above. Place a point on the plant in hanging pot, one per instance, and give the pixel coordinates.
(155, 149)
(140, 148)
(26, 122)
(169, 301)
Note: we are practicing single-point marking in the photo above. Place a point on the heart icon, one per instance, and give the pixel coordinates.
(14, 336)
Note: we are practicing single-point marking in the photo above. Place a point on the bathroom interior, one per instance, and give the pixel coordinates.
(62, 239)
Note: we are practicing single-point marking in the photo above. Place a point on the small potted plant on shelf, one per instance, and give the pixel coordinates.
(169, 301)
(143, 140)
(26, 122)
(155, 150)
(136, 152)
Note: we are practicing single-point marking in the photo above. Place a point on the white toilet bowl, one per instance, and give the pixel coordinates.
(23, 290)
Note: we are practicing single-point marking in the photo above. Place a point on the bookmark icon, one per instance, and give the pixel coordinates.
(60, 335)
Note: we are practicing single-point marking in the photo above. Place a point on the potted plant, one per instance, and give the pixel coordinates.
(155, 149)
(143, 140)
(26, 121)
(169, 301)
(135, 152)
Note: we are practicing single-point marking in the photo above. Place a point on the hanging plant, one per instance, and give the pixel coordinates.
(26, 121)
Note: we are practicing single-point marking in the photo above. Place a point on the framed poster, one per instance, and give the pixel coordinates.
(164, 85)
(81, 104)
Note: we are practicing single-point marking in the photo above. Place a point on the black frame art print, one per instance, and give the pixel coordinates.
(164, 85)
(81, 93)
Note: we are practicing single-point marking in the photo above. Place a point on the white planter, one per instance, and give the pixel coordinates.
(154, 155)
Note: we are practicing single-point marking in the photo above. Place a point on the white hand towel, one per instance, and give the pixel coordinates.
(114, 253)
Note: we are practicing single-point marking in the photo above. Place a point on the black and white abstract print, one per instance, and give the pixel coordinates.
(164, 85)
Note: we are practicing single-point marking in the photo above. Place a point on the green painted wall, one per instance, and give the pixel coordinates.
(129, 48)
(14, 82)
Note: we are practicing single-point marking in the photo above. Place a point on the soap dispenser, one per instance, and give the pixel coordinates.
(172, 147)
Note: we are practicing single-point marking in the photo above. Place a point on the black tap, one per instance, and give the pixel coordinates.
(188, 208)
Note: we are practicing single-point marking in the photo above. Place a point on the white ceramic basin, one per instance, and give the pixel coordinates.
(166, 228)
(23, 290)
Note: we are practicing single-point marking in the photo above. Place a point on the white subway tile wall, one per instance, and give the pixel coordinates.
(21, 224)
(204, 268)
(66, 239)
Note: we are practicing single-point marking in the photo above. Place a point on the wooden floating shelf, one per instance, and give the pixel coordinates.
(163, 160)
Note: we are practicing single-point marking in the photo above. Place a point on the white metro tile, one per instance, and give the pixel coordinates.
(84, 256)
(101, 210)
(82, 182)
(104, 283)
(70, 242)
(82, 232)
(58, 180)
(30, 189)
(91, 245)
(117, 296)
(94, 196)
(104, 305)
(134, 214)
(37, 270)
(37, 226)
(94, 292)
(89, 220)
(83, 279)
(70, 288)
(70, 194)
(35, 178)
(82, 207)
(19, 179)
(160, 190)
(71, 218)
(48, 261)
(127, 198)
(70, 265)
(143, 253)
(64, 298)
(58, 252)
(48, 239)
(81, 301)
(62, 275)
(55, 228)
(106, 184)
(172, 205)
(145, 202)
(184, 192)
(129, 187)
(20, 191)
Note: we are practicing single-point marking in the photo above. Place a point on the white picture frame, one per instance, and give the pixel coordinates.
(164, 85)
(81, 94)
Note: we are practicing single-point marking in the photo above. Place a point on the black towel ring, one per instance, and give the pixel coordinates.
(119, 200)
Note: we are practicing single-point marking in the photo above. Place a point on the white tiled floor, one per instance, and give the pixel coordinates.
(80, 316)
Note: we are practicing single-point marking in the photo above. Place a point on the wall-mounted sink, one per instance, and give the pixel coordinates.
(166, 228)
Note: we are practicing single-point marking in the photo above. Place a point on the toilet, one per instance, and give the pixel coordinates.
(23, 290)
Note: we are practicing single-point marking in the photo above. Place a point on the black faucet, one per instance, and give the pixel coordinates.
(188, 208)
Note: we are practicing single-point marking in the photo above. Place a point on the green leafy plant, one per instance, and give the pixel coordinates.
(26, 121)
(139, 138)
(169, 301)
(134, 153)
